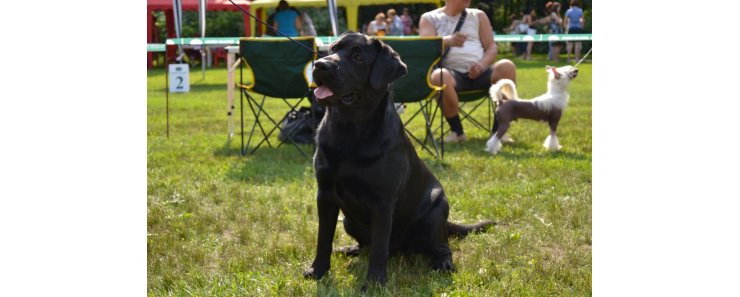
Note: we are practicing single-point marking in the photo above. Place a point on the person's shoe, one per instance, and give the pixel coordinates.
(454, 137)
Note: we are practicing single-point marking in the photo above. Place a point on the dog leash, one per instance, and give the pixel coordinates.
(276, 30)
(459, 24)
(579, 62)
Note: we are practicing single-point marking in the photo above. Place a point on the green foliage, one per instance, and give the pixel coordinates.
(219, 224)
(218, 24)
(231, 23)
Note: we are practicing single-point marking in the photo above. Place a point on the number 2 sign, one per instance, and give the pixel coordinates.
(179, 78)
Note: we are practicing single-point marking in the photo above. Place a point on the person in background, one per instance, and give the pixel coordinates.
(574, 23)
(271, 20)
(471, 61)
(528, 23)
(287, 20)
(407, 21)
(554, 24)
(517, 48)
(377, 27)
(307, 28)
(395, 25)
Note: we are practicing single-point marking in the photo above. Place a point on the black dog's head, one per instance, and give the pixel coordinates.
(356, 71)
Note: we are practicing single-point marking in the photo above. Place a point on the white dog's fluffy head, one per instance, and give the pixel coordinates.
(561, 76)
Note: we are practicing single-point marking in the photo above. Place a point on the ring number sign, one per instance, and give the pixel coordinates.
(179, 78)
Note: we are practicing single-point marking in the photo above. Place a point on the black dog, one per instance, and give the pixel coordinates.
(367, 167)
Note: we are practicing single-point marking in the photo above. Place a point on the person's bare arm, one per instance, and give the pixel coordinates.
(299, 24)
(426, 28)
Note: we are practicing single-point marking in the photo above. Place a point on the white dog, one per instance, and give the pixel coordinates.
(548, 107)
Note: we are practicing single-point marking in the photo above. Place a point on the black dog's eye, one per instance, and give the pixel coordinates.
(357, 54)
(357, 57)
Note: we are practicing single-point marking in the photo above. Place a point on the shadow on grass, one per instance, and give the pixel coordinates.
(267, 164)
(516, 151)
(405, 270)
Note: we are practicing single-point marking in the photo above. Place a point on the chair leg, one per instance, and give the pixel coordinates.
(257, 113)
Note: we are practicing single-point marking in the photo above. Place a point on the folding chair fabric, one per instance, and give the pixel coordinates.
(278, 65)
(421, 55)
(279, 71)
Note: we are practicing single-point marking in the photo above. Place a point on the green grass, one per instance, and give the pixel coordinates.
(220, 224)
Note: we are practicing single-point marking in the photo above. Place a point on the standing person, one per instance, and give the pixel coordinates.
(574, 23)
(395, 25)
(378, 27)
(307, 28)
(555, 25)
(469, 65)
(407, 21)
(528, 21)
(287, 20)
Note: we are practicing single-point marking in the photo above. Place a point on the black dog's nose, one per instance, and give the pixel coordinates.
(324, 65)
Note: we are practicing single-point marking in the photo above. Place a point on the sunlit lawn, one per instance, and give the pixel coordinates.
(220, 224)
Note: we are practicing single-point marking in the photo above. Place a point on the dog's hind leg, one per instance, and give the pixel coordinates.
(506, 138)
(359, 233)
(493, 145)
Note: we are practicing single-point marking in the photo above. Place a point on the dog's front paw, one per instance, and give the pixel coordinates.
(314, 273)
(551, 143)
(377, 279)
(443, 264)
(493, 145)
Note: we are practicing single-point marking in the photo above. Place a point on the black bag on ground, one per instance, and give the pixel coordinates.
(300, 125)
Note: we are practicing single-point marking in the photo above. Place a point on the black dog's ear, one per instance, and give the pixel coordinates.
(387, 67)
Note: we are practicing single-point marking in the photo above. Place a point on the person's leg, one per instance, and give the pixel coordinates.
(529, 50)
(503, 68)
(450, 103)
(568, 50)
(556, 53)
(449, 96)
(578, 51)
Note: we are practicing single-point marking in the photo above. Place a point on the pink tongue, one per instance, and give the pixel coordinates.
(322, 92)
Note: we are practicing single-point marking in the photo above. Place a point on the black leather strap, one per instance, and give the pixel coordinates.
(457, 28)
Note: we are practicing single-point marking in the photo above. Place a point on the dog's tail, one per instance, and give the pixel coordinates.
(461, 230)
(502, 90)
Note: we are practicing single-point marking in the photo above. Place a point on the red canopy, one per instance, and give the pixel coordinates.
(166, 6)
(213, 5)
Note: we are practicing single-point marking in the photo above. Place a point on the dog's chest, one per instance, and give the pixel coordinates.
(356, 185)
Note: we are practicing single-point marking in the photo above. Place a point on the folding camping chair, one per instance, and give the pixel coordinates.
(470, 101)
(421, 55)
(280, 70)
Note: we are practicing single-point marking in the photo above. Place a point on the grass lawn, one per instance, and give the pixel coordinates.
(219, 224)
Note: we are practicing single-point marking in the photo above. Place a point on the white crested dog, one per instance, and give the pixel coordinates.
(547, 107)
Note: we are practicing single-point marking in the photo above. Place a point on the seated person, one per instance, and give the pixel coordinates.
(469, 65)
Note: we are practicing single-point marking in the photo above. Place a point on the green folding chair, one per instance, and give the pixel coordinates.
(280, 70)
(421, 55)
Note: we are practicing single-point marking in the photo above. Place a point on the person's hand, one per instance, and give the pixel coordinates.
(475, 70)
(456, 39)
